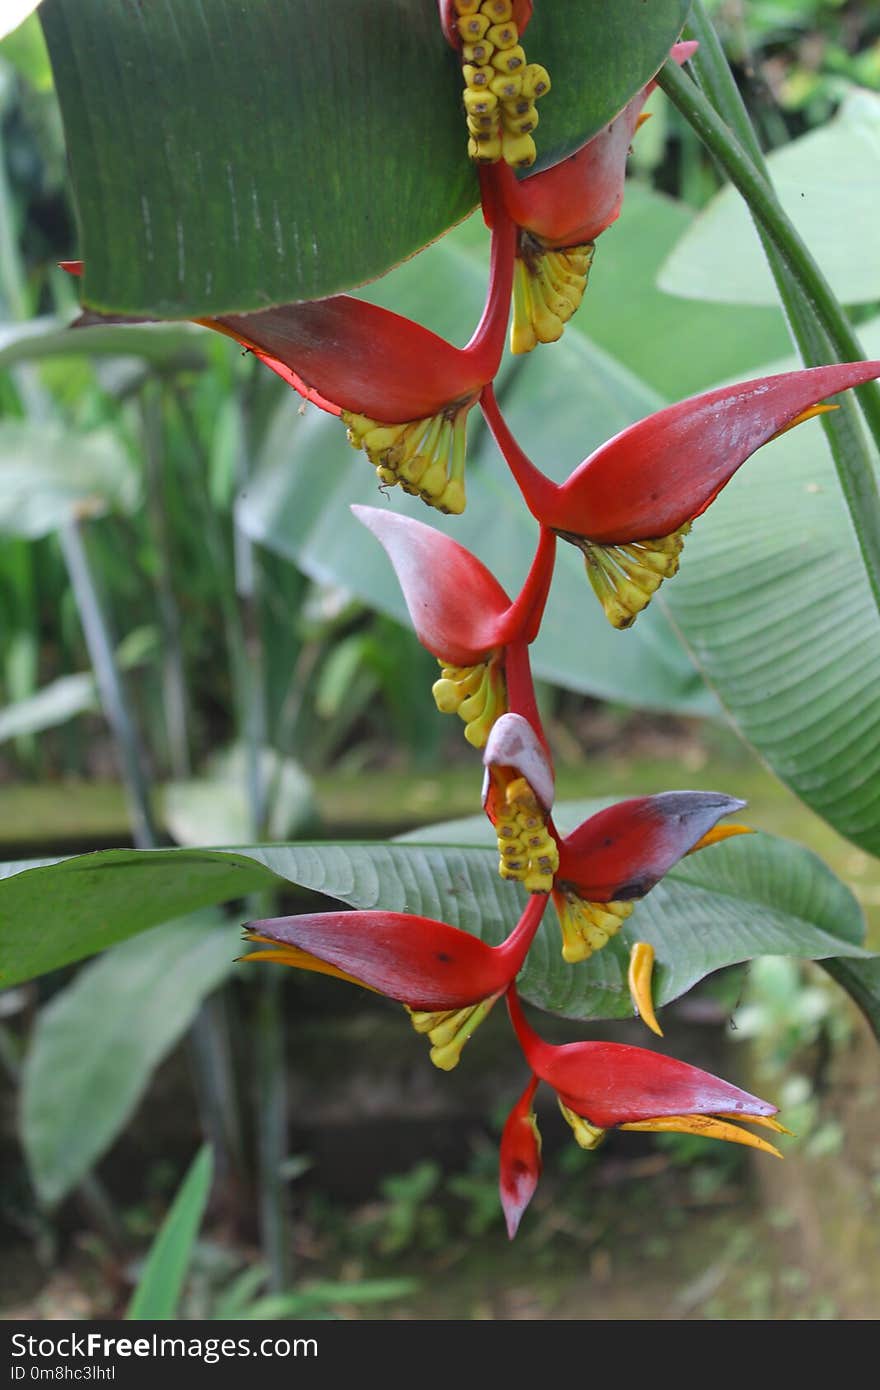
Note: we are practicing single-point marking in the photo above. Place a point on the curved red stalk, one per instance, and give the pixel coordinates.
(425, 964)
(522, 620)
(613, 1083)
(539, 493)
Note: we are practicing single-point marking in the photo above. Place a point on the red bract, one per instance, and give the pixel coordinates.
(602, 1085)
(518, 791)
(630, 504)
(463, 617)
(520, 1159)
(561, 211)
(447, 978)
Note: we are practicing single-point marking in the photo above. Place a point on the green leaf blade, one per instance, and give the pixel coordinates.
(158, 1291)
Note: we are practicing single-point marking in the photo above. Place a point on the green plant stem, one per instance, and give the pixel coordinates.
(109, 681)
(817, 321)
(275, 1233)
(174, 697)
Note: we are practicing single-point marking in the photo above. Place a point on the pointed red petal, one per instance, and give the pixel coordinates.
(520, 1159)
(454, 602)
(612, 1083)
(72, 267)
(620, 853)
(656, 475)
(358, 356)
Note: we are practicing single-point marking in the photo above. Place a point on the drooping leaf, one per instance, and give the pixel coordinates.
(232, 156)
(172, 345)
(156, 1296)
(828, 182)
(96, 1044)
(774, 898)
(49, 476)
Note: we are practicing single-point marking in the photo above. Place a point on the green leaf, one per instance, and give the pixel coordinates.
(15, 12)
(774, 602)
(771, 898)
(49, 477)
(57, 702)
(828, 183)
(171, 345)
(158, 1290)
(96, 1044)
(233, 156)
(215, 809)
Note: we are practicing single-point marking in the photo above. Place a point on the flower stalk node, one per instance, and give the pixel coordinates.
(426, 457)
(586, 926)
(449, 1029)
(548, 286)
(625, 578)
(477, 694)
(501, 86)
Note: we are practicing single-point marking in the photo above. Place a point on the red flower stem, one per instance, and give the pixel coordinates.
(523, 618)
(516, 947)
(533, 1047)
(486, 347)
(521, 688)
(538, 492)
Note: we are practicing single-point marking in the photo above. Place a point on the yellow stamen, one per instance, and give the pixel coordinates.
(626, 577)
(719, 833)
(707, 1127)
(299, 959)
(492, 57)
(587, 1135)
(426, 457)
(450, 1029)
(477, 694)
(641, 971)
(527, 851)
(548, 285)
(586, 927)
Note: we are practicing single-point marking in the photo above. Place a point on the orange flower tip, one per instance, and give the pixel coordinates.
(640, 979)
(477, 694)
(762, 1121)
(705, 1127)
(625, 577)
(587, 1136)
(449, 1029)
(518, 790)
(809, 414)
(425, 457)
(548, 287)
(281, 954)
(643, 117)
(586, 926)
(719, 833)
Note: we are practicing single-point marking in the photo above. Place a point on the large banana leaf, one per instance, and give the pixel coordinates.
(226, 156)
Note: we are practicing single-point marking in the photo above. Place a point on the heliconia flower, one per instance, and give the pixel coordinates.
(447, 979)
(518, 791)
(602, 1086)
(618, 855)
(465, 619)
(520, 1159)
(561, 211)
(403, 393)
(501, 86)
(629, 506)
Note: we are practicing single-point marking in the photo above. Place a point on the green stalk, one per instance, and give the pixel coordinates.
(817, 322)
(275, 1232)
(113, 701)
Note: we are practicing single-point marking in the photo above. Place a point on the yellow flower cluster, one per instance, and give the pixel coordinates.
(501, 87)
(527, 850)
(548, 287)
(426, 457)
(477, 694)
